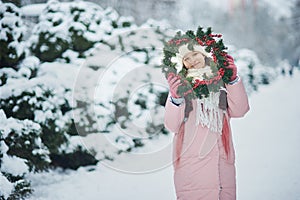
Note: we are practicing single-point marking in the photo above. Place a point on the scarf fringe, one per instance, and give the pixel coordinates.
(209, 113)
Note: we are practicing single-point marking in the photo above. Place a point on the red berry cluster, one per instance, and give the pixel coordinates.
(221, 72)
(215, 35)
(210, 42)
(199, 41)
(222, 53)
(178, 41)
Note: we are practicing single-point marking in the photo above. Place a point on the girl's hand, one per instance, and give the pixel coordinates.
(231, 66)
(174, 82)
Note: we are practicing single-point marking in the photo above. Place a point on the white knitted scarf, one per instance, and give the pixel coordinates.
(199, 73)
(208, 112)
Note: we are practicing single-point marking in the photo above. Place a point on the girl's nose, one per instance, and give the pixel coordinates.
(193, 61)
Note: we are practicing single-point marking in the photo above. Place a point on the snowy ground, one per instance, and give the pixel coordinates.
(267, 160)
(267, 143)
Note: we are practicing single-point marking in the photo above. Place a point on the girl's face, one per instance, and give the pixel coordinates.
(194, 59)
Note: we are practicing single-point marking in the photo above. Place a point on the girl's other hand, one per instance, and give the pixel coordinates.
(174, 82)
(231, 66)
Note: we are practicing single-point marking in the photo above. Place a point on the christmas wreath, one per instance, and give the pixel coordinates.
(192, 87)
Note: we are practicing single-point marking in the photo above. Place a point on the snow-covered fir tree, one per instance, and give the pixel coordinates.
(76, 26)
(13, 164)
(11, 32)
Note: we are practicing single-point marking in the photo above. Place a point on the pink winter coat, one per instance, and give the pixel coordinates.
(204, 172)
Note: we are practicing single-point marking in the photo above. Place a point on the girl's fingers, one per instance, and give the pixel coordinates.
(188, 92)
(230, 63)
(170, 76)
(229, 56)
(174, 79)
(175, 85)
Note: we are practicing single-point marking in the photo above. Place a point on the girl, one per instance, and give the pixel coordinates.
(203, 152)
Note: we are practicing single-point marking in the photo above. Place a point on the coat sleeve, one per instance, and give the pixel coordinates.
(173, 115)
(237, 98)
